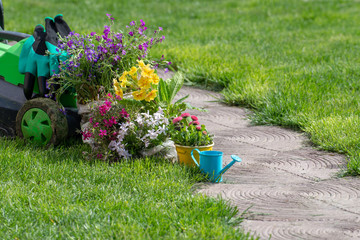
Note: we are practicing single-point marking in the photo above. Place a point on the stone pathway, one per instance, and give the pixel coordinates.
(291, 188)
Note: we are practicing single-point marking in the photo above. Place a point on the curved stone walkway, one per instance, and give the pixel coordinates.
(291, 188)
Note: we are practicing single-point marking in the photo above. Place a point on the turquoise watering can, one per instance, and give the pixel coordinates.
(211, 163)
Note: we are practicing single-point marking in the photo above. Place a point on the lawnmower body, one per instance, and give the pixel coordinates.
(12, 96)
(38, 118)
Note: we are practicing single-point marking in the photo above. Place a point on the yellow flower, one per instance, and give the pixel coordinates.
(119, 92)
(151, 95)
(141, 63)
(144, 83)
(124, 82)
(132, 71)
(125, 73)
(139, 95)
(155, 78)
(117, 88)
(134, 77)
(147, 71)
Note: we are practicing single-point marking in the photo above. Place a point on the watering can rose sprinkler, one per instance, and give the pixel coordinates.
(211, 164)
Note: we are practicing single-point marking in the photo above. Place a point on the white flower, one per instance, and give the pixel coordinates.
(152, 134)
(139, 120)
(161, 130)
(146, 115)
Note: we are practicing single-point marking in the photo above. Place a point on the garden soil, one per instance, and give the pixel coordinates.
(290, 189)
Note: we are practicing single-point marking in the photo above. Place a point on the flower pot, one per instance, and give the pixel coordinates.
(184, 153)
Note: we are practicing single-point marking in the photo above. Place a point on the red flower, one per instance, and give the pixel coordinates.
(194, 123)
(184, 115)
(176, 120)
(194, 118)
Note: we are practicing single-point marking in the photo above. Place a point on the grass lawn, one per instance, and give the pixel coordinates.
(296, 63)
(53, 194)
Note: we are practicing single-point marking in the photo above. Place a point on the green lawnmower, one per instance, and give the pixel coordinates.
(26, 110)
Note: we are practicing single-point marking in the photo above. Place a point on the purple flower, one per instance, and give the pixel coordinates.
(142, 22)
(123, 52)
(106, 30)
(109, 16)
(160, 28)
(92, 33)
(117, 58)
(69, 43)
(169, 63)
(140, 47)
(132, 23)
(166, 70)
(131, 33)
(118, 35)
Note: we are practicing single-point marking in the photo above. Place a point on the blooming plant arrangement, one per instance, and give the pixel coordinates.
(187, 131)
(94, 60)
(142, 81)
(103, 125)
(116, 133)
(144, 131)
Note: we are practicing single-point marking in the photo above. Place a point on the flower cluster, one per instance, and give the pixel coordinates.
(142, 81)
(142, 132)
(93, 60)
(187, 131)
(103, 124)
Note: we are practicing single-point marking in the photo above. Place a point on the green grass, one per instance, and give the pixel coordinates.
(296, 63)
(55, 194)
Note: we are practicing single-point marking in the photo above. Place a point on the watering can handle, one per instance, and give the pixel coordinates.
(192, 155)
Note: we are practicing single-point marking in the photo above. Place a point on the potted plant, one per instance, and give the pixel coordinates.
(188, 134)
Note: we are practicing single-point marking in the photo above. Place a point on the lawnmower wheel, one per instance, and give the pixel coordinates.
(41, 121)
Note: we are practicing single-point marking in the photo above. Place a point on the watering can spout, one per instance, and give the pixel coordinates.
(235, 159)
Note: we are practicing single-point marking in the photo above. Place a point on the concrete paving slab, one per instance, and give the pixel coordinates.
(289, 189)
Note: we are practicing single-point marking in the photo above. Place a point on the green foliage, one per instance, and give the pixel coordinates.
(167, 90)
(54, 194)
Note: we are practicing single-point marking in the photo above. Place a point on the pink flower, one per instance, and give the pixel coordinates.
(108, 103)
(109, 95)
(184, 115)
(96, 124)
(91, 120)
(102, 133)
(194, 118)
(124, 113)
(194, 123)
(86, 135)
(198, 128)
(99, 156)
(204, 132)
(118, 97)
(104, 108)
(176, 120)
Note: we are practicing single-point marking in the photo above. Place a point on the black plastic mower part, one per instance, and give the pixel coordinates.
(14, 36)
(11, 100)
(1, 16)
